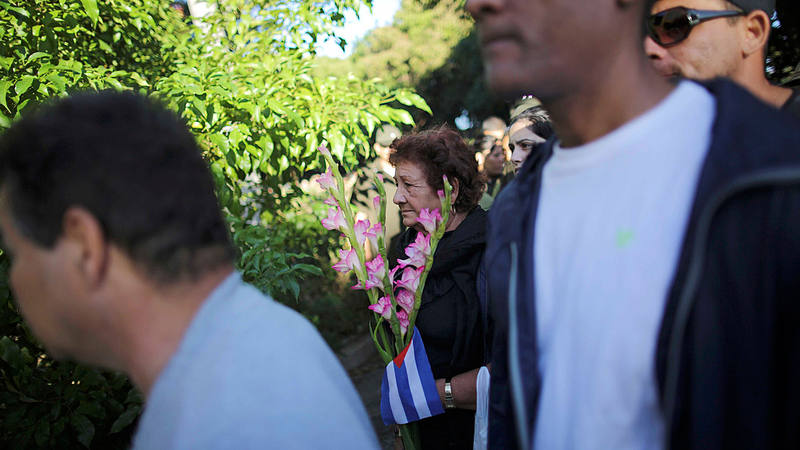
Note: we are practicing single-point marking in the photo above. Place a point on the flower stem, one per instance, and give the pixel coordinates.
(440, 229)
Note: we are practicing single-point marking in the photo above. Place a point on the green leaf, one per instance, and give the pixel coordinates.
(37, 55)
(21, 11)
(9, 352)
(403, 116)
(314, 270)
(4, 85)
(370, 122)
(6, 61)
(24, 84)
(294, 288)
(336, 140)
(275, 107)
(298, 121)
(57, 81)
(5, 122)
(90, 6)
(84, 427)
(125, 419)
(91, 409)
(419, 102)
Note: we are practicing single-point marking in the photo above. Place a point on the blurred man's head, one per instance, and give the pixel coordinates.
(99, 192)
(704, 39)
(493, 126)
(551, 47)
(384, 137)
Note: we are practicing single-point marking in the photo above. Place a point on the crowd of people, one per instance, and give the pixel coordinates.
(623, 255)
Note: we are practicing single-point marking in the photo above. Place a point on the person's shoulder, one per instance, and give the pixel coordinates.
(792, 105)
(256, 370)
(739, 111)
(750, 133)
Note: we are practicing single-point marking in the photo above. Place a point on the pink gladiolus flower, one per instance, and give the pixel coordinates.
(402, 317)
(405, 299)
(394, 271)
(324, 150)
(440, 194)
(376, 270)
(429, 219)
(376, 202)
(361, 229)
(330, 201)
(335, 220)
(326, 180)
(417, 251)
(373, 233)
(382, 307)
(348, 261)
(380, 177)
(410, 278)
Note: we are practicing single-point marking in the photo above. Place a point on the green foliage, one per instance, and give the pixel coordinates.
(56, 47)
(268, 263)
(418, 41)
(242, 80)
(430, 47)
(459, 85)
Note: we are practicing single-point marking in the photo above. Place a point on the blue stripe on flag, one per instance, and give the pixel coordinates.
(405, 392)
(425, 373)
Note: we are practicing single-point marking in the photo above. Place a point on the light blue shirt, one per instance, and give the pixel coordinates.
(251, 373)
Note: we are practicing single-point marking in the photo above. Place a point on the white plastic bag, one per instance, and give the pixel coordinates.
(482, 410)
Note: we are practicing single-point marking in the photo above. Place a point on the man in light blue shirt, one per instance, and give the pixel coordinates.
(122, 259)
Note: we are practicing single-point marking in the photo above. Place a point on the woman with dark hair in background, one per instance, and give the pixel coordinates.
(527, 131)
(449, 319)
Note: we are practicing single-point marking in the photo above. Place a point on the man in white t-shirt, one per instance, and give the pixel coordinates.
(122, 259)
(644, 266)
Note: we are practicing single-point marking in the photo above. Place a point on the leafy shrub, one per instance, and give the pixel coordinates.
(241, 80)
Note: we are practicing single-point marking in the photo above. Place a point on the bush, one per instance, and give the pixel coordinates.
(241, 80)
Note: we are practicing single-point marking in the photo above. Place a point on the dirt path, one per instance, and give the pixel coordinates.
(365, 368)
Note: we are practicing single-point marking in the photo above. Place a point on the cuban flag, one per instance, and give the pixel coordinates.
(408, 390)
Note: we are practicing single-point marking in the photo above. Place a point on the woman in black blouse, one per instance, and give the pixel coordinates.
(449, 318)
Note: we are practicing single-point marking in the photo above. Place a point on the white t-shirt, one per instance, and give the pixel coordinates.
(611, 219)
(252, 374)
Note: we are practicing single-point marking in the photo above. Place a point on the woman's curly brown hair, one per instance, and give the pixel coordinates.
(442, 151)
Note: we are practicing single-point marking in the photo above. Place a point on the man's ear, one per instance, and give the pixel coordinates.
(755, 32)
(83, 231)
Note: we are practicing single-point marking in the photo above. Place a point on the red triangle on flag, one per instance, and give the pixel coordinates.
(398, 360)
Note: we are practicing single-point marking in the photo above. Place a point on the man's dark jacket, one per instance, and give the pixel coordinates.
(728, 352)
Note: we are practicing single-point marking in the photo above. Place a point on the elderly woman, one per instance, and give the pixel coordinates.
(449, 319)
(527, 131)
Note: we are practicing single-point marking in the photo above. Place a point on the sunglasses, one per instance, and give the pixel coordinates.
(671, 26)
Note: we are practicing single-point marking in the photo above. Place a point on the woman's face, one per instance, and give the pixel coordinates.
(413, 192)
(521, 140)
(494, 161)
